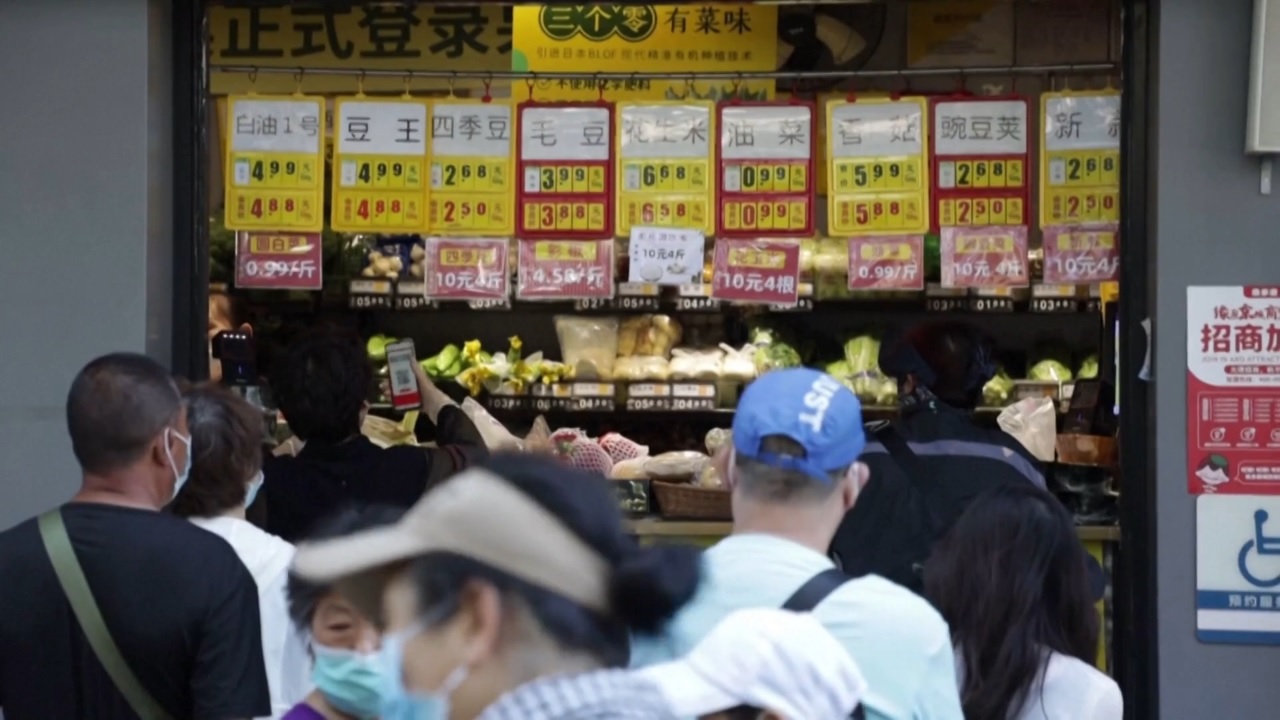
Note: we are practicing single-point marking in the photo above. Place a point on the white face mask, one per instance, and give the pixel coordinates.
(179, 478)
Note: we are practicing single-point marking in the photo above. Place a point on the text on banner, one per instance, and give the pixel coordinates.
(565, 269)
(765, 173)
(279, 261)
(664, 166)
(980, 160)
(466, 268)
(756, 271)
(877, 155)
(1081, 254)
(665, 256)
(275, 163)
(565, 162)
(1080, 158)
(380, 157)
(886, 262)
(984, 257)
(472, 192)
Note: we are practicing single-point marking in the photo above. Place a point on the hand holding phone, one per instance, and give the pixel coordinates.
(401, 363)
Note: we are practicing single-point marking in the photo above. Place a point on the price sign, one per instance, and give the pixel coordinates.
(877, 155)
(665, 256)
(664, 172)
(756, 271)
(380, 157)
(980, 161)
(278, 261)
(1081, 254)
(565, 269)
(466, 268)
(890, 262)
(984, 257)
(472, 192)
(765, 175)
(565, 164)
(275, 162)
(1080, 158)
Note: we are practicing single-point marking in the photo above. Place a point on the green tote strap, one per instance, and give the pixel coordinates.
(71, 576)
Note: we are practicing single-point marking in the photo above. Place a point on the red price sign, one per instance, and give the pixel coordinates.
(565, 153)
(765, 174)
(466, 269)
(984, 257)
(892, 262)
(278, 261)
(980, 161)
(756, 271)
(1081, 254)
(565, 269)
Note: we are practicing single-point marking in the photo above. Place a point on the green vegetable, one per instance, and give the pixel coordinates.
(1050, 371)
(453, 370)
(450, 355)
(863, 354)
(997, 390)
(376, 347)
(838, 369)
(1088, 368)
(775, 357)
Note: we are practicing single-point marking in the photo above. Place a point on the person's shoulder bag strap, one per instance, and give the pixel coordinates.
(57, 543)
(814, 591)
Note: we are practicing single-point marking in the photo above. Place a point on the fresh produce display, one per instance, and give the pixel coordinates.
(1088, 368)
(1049, 371)
(589, 345)
(772, 352)
(998, 391)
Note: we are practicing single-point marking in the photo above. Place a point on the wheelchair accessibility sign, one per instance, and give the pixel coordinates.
(1238, 569)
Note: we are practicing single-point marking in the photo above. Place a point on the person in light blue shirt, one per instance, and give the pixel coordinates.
(794, 473)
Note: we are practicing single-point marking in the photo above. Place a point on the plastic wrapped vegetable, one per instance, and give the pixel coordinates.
(738, 365)
(862, 354)
(775, 357)
(589, 345)
(998, 390)
(1050, 371)
(1088, 368)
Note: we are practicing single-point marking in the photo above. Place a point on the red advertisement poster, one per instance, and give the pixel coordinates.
(1233, 390)
(756, 271)
(888, 262)
(278, 261)
(565, 269)
(466, 269)
(984, 257)
(1081, 254)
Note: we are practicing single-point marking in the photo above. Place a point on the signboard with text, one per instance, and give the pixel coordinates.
(664, 165)
(993, 256)
(765, 177)
(886, 262)
(472, 188)
(756, 271)
(980, 161)
(665, 256)
(275, 163)
(278, 261)
(877, 160)
(465, 268)
(565, 269)
(1080, 158)
(565, 163)
(1081, 254)
(380, 165)
(1233, 390)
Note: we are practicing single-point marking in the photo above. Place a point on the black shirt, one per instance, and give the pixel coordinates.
(300, 491)
(176, 599)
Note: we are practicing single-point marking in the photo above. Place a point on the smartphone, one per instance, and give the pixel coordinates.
(404, 384)
(236, 351)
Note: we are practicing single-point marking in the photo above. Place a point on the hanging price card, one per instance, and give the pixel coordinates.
(887, 262)
(565, 163)
(472, 192)
(664, 170)
(275, 163)
(765, 176)
(565, 269)
(278, 261)
(980, 161)
(1080, 158)
(465, 268)
(984, 257)
(756, 271)
(1081, 254)
(877, 157)
(379, 166)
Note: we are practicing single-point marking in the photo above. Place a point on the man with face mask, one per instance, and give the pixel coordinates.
(110, 608)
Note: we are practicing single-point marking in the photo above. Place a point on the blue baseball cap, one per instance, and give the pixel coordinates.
(808, 406)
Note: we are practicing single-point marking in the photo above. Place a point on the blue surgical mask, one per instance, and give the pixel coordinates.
(350, 681)
(401, 704)
(179, 478)
(254, 486)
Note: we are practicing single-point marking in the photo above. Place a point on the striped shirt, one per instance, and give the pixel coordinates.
(596, 695)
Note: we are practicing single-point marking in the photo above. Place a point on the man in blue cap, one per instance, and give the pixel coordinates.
(794, 471)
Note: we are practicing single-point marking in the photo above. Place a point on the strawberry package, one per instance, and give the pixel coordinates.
(622, 448)
(585, 454)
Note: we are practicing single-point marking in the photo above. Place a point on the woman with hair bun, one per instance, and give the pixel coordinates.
(509, 592)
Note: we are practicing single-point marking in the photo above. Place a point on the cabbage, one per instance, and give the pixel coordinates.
(838, 369)
(1050, 371)
(863, 354)
(775, 357)
(1088, 368)
(997, 390)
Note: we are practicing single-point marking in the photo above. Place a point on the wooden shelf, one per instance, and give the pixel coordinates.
(657, 527)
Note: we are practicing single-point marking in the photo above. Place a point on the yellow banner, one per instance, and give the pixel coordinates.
(360, 36)
(721, 37)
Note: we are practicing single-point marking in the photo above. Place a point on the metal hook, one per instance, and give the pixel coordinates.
(297, 81)
(408, 83)
(601, 84)
(488, 85)
(453, 80)
(689, 89)
(737, 87)
(360, 84)
(253, 76)
(529, 82)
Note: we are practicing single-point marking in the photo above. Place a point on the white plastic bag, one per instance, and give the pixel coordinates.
(690, 364)
(738, 365)
(1034, 423)
(495, 435)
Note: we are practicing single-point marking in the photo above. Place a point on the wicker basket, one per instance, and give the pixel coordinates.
(690, 502)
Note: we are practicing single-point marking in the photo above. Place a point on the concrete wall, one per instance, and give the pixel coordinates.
(85, 218)
(1212, 227)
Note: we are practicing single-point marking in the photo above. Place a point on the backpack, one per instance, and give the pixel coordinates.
(813, 591)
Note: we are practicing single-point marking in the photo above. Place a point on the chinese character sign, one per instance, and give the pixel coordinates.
(380, 157)
(756, 271)
(765, 174)
(566, 170)
(565, 269)
(877, 155)
(275, 162)
(886, 262)
(466, 268)
(278, 261)
(1233, 390)
(472, 191)
(994, 256)
(980, 161)
(1080, 158)
(1081, 254)
(664, 170)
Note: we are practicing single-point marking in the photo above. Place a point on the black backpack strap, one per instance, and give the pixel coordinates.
(813, 591)
(902, 454)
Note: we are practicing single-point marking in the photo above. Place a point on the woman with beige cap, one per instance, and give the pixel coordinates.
(509, 593)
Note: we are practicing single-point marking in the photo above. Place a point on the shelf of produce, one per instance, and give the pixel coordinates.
(658, 527)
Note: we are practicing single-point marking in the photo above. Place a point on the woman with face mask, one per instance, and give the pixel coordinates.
(225, 474)
(509, 593)
(347, 673)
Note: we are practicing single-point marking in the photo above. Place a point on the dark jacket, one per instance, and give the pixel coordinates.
(886, 533)
(300, 491)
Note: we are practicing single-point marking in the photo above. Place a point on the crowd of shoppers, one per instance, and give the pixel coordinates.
(446, 583)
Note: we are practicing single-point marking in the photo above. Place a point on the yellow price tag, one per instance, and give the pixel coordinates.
(983, 244)
(1080, 158)
(380, 160)
(472, 189)
(749, 257)
(876, 160)
(564, 250)
(275, 161)
(664, 168)
(885, 251)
